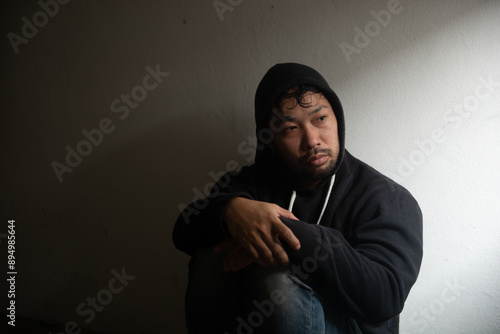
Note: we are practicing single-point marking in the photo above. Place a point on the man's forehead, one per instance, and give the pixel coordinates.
(290, 115)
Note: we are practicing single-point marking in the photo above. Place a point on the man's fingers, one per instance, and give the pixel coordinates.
(286, 214)
(254, 249)
(231, 258)
(224, 245)
(237, 259)
(265, 252)
(286, 235)
(279, 253)
(257, 228)
(284, 232)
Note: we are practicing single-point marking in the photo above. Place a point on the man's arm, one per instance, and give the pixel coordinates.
(200, 224)
(370, 276)
(230, 211)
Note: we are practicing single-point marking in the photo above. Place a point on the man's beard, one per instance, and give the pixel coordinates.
(310, 174)
(315, 173)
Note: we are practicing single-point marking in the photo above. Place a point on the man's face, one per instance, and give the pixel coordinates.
(307, 139)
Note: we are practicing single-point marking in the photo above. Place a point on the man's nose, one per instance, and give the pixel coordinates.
(310, 138)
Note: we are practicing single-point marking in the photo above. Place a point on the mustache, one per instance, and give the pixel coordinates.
(314, 152)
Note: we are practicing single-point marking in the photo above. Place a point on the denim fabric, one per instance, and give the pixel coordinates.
(255, 300)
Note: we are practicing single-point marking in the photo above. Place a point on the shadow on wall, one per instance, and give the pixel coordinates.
(117, 209)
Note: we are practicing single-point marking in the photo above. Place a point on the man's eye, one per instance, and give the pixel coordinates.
(322, 118)
(290, 128)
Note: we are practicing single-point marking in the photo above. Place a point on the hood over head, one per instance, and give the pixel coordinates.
(278, 79)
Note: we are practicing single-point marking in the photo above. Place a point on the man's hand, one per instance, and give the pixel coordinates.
(257, 228)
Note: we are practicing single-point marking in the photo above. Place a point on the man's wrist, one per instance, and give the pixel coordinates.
(227, 208)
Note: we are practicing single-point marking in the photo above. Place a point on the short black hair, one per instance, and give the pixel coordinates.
(296, 92)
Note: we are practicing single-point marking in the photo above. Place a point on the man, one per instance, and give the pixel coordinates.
(308, 239)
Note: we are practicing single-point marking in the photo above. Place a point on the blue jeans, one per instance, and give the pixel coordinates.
(255, 300)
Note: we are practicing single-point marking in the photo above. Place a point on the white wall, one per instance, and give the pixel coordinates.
(416, 103)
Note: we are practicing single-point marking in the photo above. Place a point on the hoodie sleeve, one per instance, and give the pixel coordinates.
(200, 224)
(370, 277)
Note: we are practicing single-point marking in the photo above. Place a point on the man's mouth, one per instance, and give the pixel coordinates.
(317, 160)
(317, 157)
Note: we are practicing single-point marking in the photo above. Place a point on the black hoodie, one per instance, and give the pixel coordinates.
(362, 253)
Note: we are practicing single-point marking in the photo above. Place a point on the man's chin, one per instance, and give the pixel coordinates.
(317, 173)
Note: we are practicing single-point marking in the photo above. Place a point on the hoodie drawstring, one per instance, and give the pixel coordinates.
(330, 187)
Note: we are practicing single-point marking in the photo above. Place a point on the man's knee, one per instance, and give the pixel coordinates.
(283, 302)
(277, 284)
